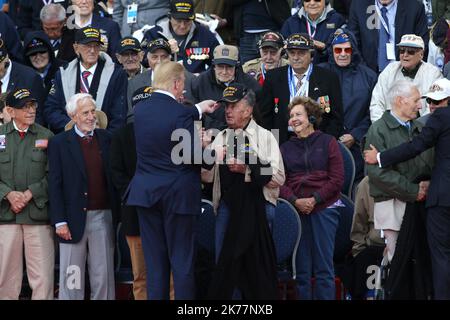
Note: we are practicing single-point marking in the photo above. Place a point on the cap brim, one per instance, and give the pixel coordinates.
(36, 50)
(86, 41)
(153, 48)
(270, 44)
(183, 16)
(225, 61)
(299, 47)
(436, 95)
(409, 45)
(122, 50)
(228, 100)
(23, 102)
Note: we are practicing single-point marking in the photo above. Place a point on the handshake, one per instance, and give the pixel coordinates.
(423, 190)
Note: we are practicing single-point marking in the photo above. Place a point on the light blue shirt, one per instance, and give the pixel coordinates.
(391, 13)
(403, 123)
(81, 134)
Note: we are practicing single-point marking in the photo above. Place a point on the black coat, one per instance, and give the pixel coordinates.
(436, 133)
(279, 10)
(410, 19)
(11, 38)
(123, 167)
(321, 83)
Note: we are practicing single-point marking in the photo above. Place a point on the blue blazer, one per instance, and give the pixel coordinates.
(436, 133)
(156, 118)
(68, 184)
(410, 19)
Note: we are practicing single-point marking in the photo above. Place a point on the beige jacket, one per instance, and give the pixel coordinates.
(363, 233)
(266, 147)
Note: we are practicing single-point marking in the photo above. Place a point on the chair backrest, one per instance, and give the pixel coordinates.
(286, 233)
(349, 169)
(206, 226)
(343, 243)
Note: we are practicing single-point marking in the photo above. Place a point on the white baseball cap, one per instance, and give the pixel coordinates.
(439, 90)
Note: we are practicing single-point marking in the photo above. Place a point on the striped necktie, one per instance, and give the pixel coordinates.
(299, 82)
(84, 85)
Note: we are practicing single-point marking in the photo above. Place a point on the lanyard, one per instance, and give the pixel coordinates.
(303, 90)
(263, 71)
(383, 23)
(46, 2)
(308, 28)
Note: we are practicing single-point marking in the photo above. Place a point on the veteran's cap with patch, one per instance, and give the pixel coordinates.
(233, 93)
(129, 43)
(141, 94)
(299, 41)
(271, 39)
(19, 97)
(88, 35)
(182, 9)
(226, 54)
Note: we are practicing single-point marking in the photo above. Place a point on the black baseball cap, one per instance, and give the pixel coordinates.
(36, 45)
(299, 41)
(233, 93)
(271, 39)
(182, 9)
(141, 94)
(19, 97)
(87, 35)
(159, 44)
(129, 43)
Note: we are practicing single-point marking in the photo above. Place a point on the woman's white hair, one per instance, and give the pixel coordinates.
(75, 100)
(401, 88)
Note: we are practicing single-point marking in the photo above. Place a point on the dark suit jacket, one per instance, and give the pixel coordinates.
(436, 133)
(9, 34)
(157, 175)
(25, 77)
(68, 184)
(410, 19)
(112, 31)
(123, 167)
(321, 83)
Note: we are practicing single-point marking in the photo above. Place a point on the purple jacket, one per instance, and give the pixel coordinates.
(314, 168)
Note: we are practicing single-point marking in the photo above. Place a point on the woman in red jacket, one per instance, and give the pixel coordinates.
(314, 177)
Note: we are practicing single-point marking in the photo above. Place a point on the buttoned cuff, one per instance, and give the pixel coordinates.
(378, 160)
(199, 112)
(60, 224)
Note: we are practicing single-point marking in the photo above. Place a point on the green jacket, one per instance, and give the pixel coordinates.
(441, 9)
(23, 165)
(396, 181)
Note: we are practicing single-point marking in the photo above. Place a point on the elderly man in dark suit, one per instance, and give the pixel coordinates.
(82, 201)
(166, 189)
(436, 133)
(9, 34)
(379, 24)
(301, 78)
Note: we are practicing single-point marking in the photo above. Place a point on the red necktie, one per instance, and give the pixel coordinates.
(84, 85)
(22, 134)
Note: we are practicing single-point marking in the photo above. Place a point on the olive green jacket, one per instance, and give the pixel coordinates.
(396, 182)
(23, 165)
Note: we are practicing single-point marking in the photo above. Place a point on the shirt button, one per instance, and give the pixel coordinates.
(85, 209)
(85, 193)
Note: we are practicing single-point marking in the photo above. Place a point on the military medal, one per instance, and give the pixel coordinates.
(276, 104)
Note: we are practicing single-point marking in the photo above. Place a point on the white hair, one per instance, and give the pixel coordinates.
(74, 102)
(400, 88)
(52, 11)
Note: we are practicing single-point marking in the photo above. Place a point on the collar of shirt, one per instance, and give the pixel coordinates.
(305, 74)
(15, 127)
(81, 134)
(44, 74)
(78, 22)
(91, 70)
(5, 79)
(392, 5)
(167, 93)
(403, 123)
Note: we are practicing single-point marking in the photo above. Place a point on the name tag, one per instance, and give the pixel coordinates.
(331, 26)
(2, 141)
(132, 13)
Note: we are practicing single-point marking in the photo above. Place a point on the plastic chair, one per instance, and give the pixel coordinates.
(349, 169)
(286, 233)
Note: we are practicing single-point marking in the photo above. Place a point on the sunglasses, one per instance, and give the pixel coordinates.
(411, 52)
(432, 101)
(346, 50)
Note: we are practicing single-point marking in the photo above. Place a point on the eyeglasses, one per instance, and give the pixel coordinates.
(435, 102)
(346, 50)
(410, 51)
